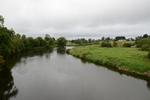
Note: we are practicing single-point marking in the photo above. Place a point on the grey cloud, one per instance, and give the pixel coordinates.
(77, 18)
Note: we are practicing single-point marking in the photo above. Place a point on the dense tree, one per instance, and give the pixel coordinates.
(143, 43)
(145, 36)
(11, 43)
(120, 38)
(1, 21)
(61, 41)
(49, 41)
(108, 38)
(103, 38)
(89, 40)
(41, 41)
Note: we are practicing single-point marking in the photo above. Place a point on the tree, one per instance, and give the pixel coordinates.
(41, 40)
(61, 41)
(145, 36)
(108, 38)
(143, 41)
(120, 38)
(103, 38)
(89, 40)
(1, 21)
(47, 37)
(48, 40)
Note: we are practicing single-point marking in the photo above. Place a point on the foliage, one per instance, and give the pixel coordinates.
(120, 38)
(1, 60)
(128, 58)
(11, 43)
(105, 44)
(83, 41)
(127, 45)
(114, 43)
(143, 43)
(145, 36)
(1, 20)
(61, 41)
(48, 41)
(145, 47)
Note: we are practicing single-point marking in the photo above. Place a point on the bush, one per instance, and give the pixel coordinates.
(115, 44)
(127, 45)
(106, 44)
(145, 47)
(140, 42)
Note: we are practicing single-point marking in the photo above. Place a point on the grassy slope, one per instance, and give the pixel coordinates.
(128, 58)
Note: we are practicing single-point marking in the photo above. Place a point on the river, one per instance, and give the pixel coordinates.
(55, 75)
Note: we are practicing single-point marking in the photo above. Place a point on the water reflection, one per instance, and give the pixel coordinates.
(61, 50)
(7, 87)
(11, 62)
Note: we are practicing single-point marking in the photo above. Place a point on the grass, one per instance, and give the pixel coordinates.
(126, 58)
(71, 44)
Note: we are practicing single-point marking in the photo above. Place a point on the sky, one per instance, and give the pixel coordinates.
(77, 18)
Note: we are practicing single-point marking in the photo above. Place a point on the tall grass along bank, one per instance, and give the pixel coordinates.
(125, 59)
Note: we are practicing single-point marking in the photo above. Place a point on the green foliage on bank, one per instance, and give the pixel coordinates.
(12, 43)
(105, 44)
(61, 42)
(128, 58)
(143, 43)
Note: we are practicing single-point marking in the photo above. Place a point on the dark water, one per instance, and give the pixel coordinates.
(54, 75)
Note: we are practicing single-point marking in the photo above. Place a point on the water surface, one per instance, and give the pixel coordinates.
(54, 75)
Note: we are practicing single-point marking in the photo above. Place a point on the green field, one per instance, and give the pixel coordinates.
(131, 59)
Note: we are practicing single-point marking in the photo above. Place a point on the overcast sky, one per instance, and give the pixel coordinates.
(77, 18)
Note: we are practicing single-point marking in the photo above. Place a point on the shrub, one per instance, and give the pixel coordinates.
(114, 44)
(145, 47)
(127, 45)
(140, 42)
(106, 44)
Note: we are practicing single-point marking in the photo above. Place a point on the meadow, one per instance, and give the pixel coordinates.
(130, 59)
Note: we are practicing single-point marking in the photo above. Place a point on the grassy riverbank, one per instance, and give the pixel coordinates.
(129, 59)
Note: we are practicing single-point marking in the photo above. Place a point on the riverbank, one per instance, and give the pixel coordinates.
(125, 59)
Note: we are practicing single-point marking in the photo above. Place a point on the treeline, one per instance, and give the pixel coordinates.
(11, 43)
(83, 41)
(143, 42)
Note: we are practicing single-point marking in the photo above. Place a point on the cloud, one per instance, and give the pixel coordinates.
(77, 18)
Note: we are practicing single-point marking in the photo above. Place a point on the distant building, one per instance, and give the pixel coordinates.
(120, 38)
